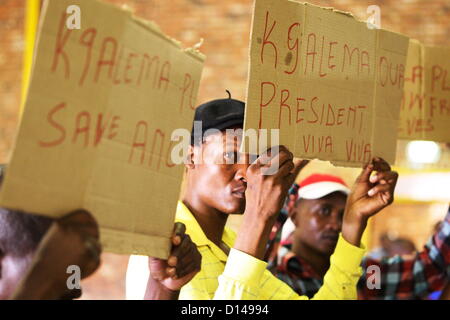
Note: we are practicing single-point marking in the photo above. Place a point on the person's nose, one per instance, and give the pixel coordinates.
(241, 172)
(335, 222)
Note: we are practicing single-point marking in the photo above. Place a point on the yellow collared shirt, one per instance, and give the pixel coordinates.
(241, 276)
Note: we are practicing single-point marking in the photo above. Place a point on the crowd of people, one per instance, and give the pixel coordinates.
(296, 241)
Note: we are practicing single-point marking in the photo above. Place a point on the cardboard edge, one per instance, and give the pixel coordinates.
(112, 242)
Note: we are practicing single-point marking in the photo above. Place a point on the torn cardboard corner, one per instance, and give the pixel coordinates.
(325, 8)
(425, 107)
(97, 125)
(331, 85)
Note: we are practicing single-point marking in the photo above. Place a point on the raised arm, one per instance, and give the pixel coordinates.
(370, 194)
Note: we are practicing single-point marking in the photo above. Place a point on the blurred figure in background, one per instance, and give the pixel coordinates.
(391, 246)
(437, 226)
(445, 293)
(383, 250)
(401, 246)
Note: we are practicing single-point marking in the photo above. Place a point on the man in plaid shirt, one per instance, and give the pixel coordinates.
(307, 240)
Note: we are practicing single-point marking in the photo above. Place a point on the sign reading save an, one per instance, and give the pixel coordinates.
(330, 84)
(96, 131)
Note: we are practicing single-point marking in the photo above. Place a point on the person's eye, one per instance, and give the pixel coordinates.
(325, 211)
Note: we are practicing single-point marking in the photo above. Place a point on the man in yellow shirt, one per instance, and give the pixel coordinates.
(221, 181)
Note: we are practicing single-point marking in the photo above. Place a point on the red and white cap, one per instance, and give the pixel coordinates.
(315, 186)
(318, 185)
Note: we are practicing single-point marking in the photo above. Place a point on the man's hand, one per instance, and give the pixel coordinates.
(369, 195)
(266, 193)
(265, 196)
(71, 240)
(167, 277)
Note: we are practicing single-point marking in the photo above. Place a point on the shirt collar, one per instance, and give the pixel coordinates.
(197, 235)
(290, 263)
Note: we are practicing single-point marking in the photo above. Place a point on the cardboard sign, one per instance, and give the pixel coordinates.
(96, 131)
(425, 108)
(330, 83)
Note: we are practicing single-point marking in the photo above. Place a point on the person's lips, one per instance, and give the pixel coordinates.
(239, 192)
(330, 237)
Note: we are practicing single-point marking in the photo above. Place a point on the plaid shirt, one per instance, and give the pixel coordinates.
(402, 277)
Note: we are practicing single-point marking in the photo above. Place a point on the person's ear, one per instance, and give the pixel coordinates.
(293, 217)
(2, 173)
(190, 156)
(291, 204)
(293, 209)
